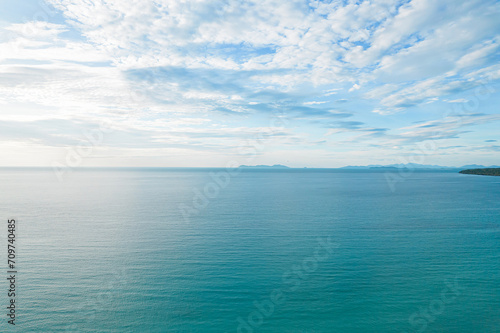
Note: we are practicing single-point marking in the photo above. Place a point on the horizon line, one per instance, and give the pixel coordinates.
(278, 167)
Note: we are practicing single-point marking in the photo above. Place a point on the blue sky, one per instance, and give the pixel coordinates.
(207, 83)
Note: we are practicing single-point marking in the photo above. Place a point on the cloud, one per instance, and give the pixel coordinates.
(291, 43)
(189, 135)
(446, 128)
(385, 112)
(210, 73)
(430, 90)
(314, 102)
(480, 54)
(354, 87)
(459, 100)
(339, 127)
(37, 30)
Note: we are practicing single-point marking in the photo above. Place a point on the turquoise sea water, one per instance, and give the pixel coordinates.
(192, 250)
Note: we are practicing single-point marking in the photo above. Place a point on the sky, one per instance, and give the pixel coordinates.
(215, 83)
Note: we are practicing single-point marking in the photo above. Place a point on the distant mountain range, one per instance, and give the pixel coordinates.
(276, 166)
(378, 166)
(417, 166)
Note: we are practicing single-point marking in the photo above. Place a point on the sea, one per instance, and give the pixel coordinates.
(250, 250)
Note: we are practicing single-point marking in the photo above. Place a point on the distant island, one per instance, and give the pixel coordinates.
(482, 172)
(276, 166)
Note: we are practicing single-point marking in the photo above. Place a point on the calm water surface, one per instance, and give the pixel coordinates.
(307, 251)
